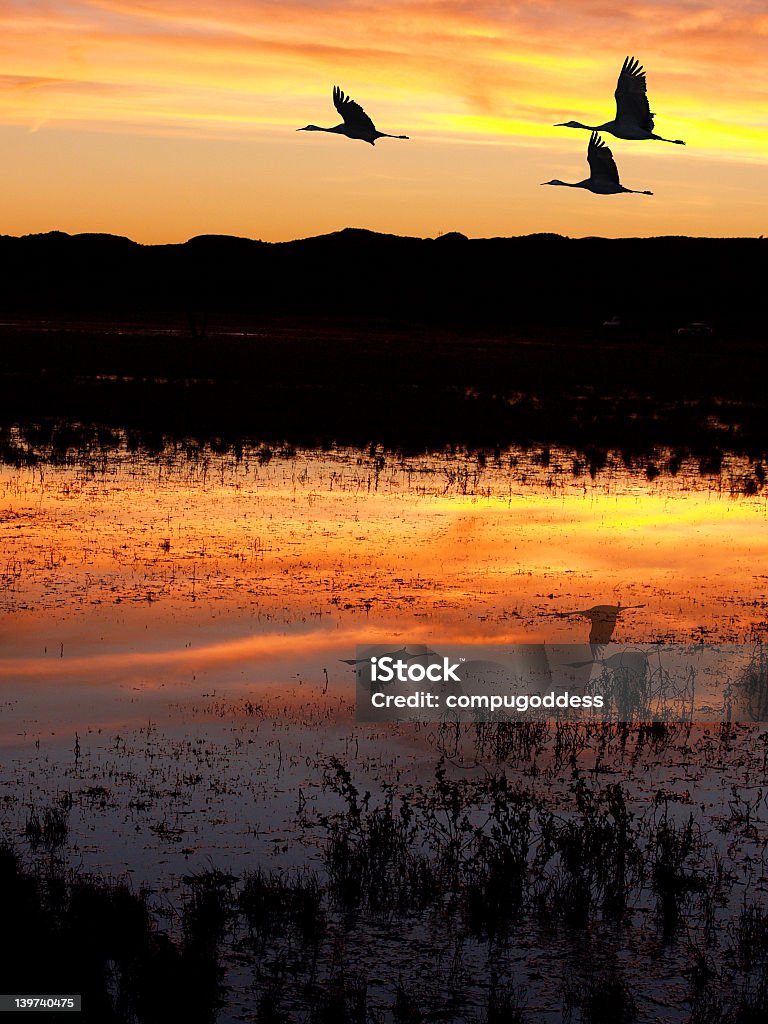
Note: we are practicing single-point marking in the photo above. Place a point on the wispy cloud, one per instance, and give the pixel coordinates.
(442, 70)
(706, 62)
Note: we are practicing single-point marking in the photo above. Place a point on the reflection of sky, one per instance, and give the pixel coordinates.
(165, 579)
(165, 120)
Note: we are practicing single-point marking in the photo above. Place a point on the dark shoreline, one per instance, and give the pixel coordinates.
(406, 388)
(357, 338)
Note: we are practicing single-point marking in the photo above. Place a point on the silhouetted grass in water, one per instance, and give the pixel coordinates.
(487, 873)
(96, 937)
(747, 1004)
(208, 909)
(340, 1000)
(343, 1000)
(505, 1005)
(753, 685)
(673, 879)
(48, 829)
(273, 903)
(269, 1011)
(599, 999)
(497, 857)
(507, 742)
(404, 389)
(598, 856)
(520, 745)
(750, 936)
(372, 857)
(752, 1004)
(494, 854)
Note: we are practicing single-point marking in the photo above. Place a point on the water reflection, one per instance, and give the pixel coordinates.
(223, 574)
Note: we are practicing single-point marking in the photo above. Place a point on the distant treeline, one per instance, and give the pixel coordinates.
(359, 338)
(501, 282)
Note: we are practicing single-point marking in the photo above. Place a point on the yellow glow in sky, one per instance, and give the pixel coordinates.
(168, 119)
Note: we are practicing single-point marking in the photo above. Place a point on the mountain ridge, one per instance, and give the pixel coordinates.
(499, 281)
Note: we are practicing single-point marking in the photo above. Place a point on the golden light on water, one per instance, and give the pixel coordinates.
(224, 574)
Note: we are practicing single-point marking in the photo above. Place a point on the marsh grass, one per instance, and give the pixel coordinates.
(600, 998)
(486, 848)
(48, 828)
(674, 877)
(97, 937)
(753, 684)
(486, 862)
(750, 937)
(506, 1005)
(274, 903)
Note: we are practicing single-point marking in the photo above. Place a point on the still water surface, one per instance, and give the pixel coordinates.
(203, 573)
(171, 629)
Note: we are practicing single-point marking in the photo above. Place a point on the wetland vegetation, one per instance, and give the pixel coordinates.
(484, 893)
(194, 825)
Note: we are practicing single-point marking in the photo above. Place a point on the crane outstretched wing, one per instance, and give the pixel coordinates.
(600, 160)
(631, 95)
(353, 114)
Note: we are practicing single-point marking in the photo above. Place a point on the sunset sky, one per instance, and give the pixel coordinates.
(166, 119)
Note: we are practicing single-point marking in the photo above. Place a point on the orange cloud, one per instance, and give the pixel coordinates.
(444, 71)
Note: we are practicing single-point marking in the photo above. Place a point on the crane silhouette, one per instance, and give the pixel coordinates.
(634, 119)
(602, 620)
(603, 177)
(364, 661)
(356, 123)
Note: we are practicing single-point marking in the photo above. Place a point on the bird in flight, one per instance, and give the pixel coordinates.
(356, 123)
(634, 119)
(364, 661)
(602, 620)
(603, 177)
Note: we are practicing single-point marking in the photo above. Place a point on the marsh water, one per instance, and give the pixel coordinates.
(173, 626)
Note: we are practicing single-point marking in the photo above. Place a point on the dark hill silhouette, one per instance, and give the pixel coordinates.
(534, 279)
(359, 338)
